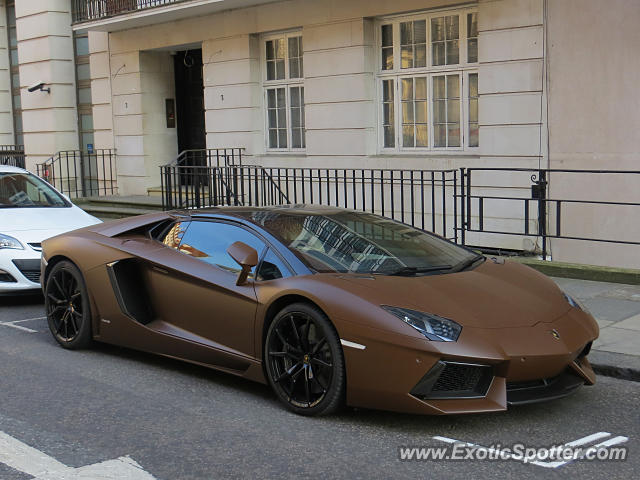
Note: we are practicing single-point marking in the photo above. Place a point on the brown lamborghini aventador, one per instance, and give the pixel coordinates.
(329, 306)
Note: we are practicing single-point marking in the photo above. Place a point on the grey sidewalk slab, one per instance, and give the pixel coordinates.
(616, 307)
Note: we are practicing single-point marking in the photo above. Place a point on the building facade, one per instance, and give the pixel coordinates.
(403, 84)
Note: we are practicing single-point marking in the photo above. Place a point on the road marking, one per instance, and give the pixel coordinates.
(18, 327)
(548, 464)
(26, 459)
(12, 324)
(27, 320)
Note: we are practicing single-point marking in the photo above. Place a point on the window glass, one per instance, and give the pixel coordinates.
(208, 241)
(387, 47)
(272, 268)
(388, 114)
(472, 37)
(473, 109)
(360, 242)
(295, 58)
(297, 117)
(275, 59)
(24, 190)
(413, 43)
(446, 110)
(82, 46)
(174, 236)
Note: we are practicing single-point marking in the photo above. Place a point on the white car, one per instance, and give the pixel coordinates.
(31, 211)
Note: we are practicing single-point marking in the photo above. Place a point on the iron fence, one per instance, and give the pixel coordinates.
(12, 155)
(81, 174)
(485, 208)
(87, 10)
(422, 198)
(600, 206)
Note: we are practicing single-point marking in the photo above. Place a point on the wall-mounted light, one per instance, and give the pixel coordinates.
(39, 86)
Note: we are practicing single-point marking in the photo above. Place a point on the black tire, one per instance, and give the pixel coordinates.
(68, 307)
(304, 362)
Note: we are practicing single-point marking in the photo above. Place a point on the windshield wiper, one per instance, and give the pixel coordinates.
(407, 271)
(464, 264)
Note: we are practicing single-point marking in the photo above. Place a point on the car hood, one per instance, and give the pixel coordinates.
(489, 296)
(37, 224)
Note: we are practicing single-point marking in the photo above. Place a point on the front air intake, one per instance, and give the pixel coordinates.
(450, 380)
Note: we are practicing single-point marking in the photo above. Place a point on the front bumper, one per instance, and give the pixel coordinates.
(523, 365)
(19, 271)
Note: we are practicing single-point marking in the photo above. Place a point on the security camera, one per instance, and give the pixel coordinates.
(39, 86)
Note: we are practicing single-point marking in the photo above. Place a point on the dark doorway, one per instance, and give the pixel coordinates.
(190, 100)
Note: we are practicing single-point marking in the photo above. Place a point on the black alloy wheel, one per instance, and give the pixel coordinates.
(67, 306)
(304, 361)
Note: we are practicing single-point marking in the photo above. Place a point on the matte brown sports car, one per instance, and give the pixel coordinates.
(328, 306)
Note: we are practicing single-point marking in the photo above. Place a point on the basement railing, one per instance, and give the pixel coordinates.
(81, 174)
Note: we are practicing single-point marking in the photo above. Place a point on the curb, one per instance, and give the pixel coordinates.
(582, 272)
(615, 365)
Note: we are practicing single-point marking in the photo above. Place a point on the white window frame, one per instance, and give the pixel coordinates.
(463, 69)
(286, 83)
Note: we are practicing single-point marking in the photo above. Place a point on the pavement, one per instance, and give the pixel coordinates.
(616, 308)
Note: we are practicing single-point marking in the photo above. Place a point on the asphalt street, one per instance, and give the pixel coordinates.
(180, 421)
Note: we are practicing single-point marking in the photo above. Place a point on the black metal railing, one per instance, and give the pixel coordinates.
(485, 208)
(87, 10)
(81, 174)
(211, 157)
(545, 204)
(422, 198)
(12, 155)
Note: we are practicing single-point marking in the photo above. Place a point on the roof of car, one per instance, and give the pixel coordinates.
(10, 169)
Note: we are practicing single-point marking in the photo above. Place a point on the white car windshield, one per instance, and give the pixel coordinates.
(24, 190)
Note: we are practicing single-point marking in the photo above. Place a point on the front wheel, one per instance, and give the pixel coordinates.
(67, 306)
(304, 361)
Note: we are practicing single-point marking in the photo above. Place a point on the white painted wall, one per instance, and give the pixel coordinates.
(6, 108)
(594, 118)
(45, 51)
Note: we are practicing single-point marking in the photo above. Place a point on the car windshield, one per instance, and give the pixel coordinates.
(24, 190)
(354, 242)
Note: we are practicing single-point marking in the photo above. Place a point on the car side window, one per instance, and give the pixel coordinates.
(208, 241)
(174, 234)
(272, 268)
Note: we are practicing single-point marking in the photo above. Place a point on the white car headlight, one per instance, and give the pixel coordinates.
(9, 242)
(573, 302)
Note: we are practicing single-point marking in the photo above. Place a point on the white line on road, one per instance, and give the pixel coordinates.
(12, 324)
(17, 327)
(27, 320)
(26, 459)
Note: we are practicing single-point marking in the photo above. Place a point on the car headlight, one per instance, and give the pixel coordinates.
(9, 242)
(573, 302)
(438, 329)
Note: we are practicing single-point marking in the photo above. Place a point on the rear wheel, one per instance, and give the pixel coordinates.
(67, 306)
(304, 361)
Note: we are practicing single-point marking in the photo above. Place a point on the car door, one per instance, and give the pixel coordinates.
(192, 285)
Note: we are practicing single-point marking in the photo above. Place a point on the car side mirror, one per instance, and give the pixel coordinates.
(247, 258)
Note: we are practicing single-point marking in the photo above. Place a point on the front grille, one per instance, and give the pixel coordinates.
(458, 377)
(29, 268)
(454, 380)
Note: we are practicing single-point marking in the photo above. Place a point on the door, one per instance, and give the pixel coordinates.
(190, 100)
(192, 283)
